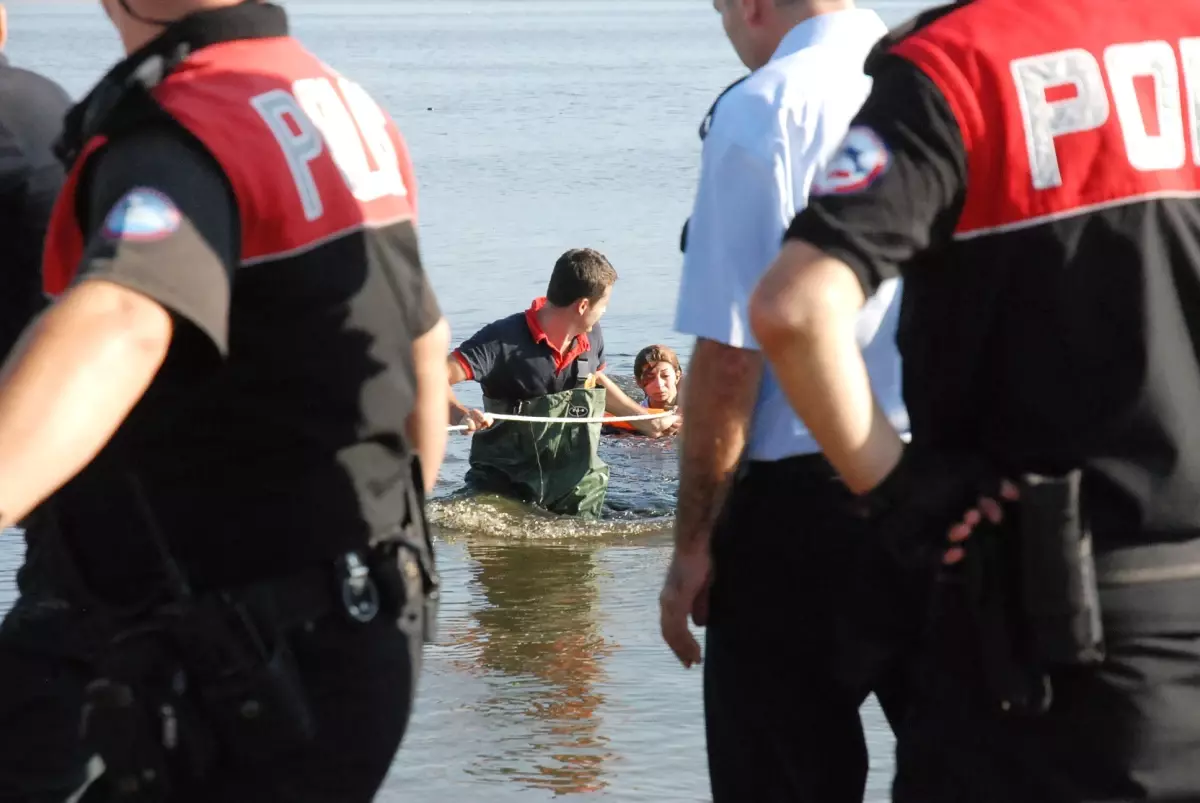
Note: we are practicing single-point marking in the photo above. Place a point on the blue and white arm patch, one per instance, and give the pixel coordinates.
(857, 164)
(142, 215)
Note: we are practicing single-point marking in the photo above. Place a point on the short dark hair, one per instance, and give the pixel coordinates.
(580, 273)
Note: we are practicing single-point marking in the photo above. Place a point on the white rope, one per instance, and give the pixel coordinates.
(541, 419)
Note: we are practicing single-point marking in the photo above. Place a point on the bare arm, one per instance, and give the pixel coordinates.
(718, 424)
(455, 373)
(803, 315)
(617, 401)
(427, 422)
(69, 384)
(85, 363)
(459, 412)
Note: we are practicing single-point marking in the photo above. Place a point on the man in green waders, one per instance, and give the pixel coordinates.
(547, 361)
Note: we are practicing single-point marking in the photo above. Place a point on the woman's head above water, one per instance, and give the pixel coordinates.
(656, 369)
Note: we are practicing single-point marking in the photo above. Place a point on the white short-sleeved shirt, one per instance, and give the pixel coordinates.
(769, 136)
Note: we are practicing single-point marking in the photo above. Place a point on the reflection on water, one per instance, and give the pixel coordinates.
(548, 679)
(536, 638)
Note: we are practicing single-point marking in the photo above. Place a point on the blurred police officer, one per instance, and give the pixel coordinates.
(1032, 170)
(31, 113)
(32, 109)
(232, 413)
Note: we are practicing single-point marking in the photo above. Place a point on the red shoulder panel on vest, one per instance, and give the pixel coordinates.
(310, 154)
(64, 240)
(1067, 106)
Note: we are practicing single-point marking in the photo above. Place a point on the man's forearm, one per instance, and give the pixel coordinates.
(455, 372)
(803, 313)
(723, 384)
(427, 423)
(458, 410)
(617, 401)
(69, 384)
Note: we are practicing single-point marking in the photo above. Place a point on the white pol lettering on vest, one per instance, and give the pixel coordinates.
(1166, 150)
(345, 126)
(1046, 120)
(1189, 49)
(386, 179)
(279, 110)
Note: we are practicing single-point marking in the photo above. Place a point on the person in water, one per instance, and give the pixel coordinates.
(547, 361)
(657, 372)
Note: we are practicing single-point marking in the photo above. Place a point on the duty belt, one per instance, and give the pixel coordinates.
(1151, 563)
(307, 596)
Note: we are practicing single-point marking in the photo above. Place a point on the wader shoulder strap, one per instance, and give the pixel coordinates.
(502, 406)
(583, 371)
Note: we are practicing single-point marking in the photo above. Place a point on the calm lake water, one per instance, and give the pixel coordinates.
(535, 126)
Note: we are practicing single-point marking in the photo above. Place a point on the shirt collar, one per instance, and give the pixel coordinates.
(823, 27)
(246, 20)
(581, 343)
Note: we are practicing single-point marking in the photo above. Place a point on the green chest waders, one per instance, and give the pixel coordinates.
(554, 466)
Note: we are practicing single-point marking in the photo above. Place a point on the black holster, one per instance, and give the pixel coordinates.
(404, 567)
(1060, 598)
(194, 681)
(139, 718)
(1032, 588)
(212, 676)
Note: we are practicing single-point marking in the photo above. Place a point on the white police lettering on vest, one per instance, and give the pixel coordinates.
(1045, 120)
(300, 145)
(314, 115)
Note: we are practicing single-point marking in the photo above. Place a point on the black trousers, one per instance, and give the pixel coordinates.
(41, 699)
(1128, 730)
(360, 681)
(782, 717)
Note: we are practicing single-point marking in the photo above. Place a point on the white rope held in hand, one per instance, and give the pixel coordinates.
(542, 419)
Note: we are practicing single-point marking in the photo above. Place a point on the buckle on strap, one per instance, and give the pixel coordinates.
(358, 593)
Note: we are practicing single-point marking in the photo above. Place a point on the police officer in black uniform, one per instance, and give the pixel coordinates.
(1032, 170)
(231, 418)
(32, 109)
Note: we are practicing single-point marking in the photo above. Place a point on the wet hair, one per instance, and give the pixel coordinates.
(652, 355)
(580, 273)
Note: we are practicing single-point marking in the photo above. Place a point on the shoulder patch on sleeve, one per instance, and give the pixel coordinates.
(858, 162)
(142, 215)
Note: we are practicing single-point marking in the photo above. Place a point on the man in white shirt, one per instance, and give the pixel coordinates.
(785, 538)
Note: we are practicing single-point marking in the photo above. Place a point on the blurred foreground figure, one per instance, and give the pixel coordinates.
(1032, 170)
(230, 416)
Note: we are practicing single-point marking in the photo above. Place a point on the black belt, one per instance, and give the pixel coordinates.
(808, 466)
(1149, 563)
(312, 594)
